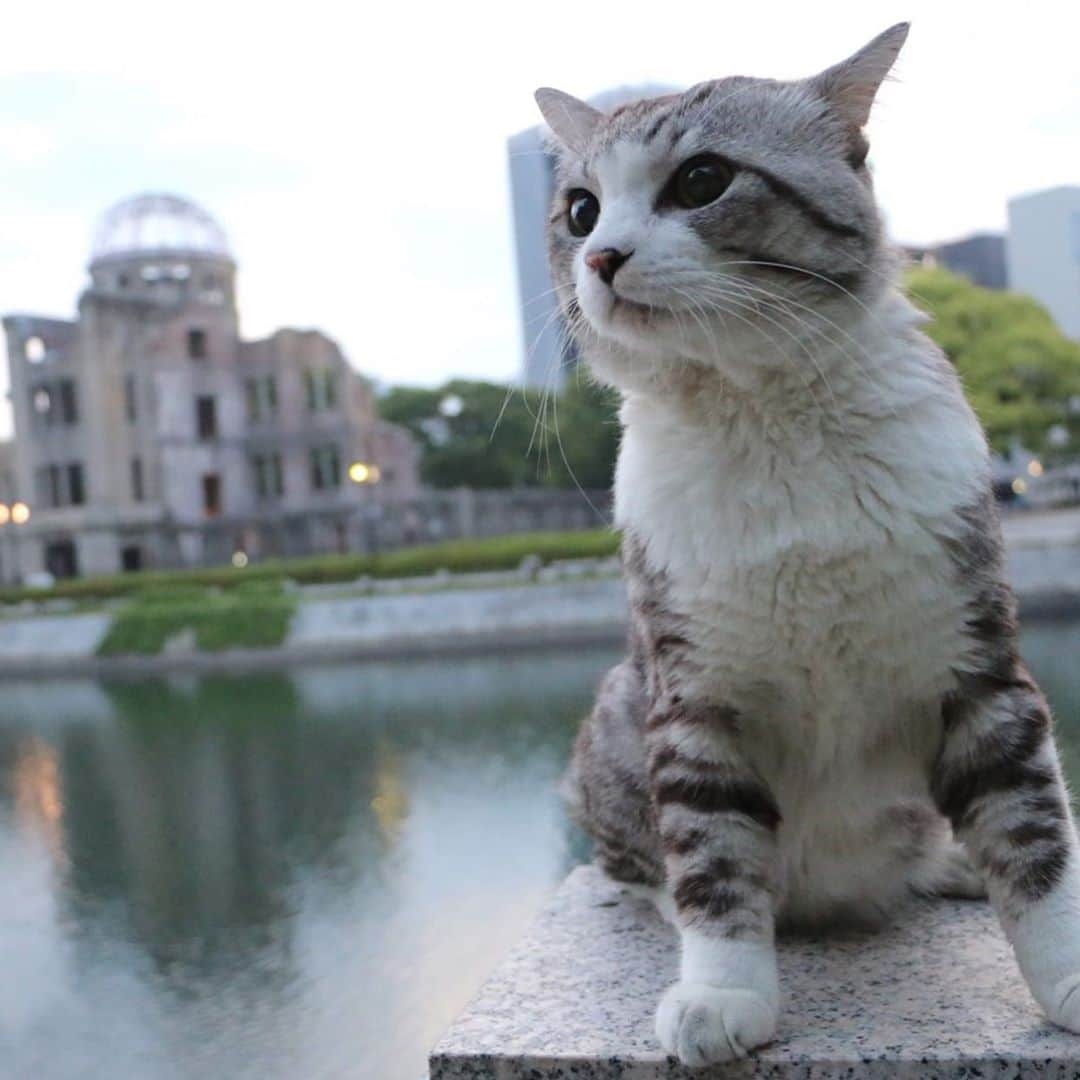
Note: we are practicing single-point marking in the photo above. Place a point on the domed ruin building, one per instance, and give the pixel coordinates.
(148, 434)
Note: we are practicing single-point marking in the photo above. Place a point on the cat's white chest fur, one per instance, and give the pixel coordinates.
(807, 559)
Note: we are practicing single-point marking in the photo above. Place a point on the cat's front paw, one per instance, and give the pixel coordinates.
(702, 1024)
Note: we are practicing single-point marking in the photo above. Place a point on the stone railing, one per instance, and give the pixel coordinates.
(936, 995)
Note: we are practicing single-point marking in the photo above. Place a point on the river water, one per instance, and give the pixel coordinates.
(302, 874)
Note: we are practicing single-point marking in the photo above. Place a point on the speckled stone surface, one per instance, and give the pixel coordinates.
(936, 995)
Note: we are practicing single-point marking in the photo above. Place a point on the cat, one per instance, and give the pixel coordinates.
(823, 696)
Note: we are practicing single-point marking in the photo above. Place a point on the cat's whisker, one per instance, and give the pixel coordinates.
(552, 316)
(807, 323)
(817, 275)
(730, 299)
(569, 468)
(572, 324)
(788, 301)
(806, 382)
(806, 351)
(540, 421)
(772, 303)
(759, 291)
(783, 306)
(537, 297)
(817, 331)
(690, 310)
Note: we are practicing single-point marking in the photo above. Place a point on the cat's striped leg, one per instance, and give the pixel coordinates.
(606, 786)
(717, 822)
(999, 782)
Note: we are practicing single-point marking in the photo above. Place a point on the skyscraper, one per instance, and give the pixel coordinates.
(1044, 252)
(547, 352)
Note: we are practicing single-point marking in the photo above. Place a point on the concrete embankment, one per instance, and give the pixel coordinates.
(466, 620)
(1043, 552)
(476, 613)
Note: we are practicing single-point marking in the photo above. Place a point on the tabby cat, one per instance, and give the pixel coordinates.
(823, 697)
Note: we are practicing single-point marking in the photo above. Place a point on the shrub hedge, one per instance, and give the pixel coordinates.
(495, 553)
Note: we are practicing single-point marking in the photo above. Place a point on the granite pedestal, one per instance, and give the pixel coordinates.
(936, 995)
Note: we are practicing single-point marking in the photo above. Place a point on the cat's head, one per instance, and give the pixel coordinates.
(683, 223)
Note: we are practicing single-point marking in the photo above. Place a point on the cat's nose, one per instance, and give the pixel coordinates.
(606, 262)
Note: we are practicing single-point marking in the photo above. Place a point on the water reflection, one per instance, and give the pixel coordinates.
(38, 796)
(298, 874)
(281, 875)
(1052, 650)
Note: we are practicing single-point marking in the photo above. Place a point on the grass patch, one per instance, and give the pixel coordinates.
(239, 619)
(497, 553)
(172, 587)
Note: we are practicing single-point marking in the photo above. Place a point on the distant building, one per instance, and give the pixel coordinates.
(547, 350)
(980, 258)
(148, 434)
(7, 478)
(1044, 252)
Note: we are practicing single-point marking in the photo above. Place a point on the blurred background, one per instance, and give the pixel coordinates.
(284, 384)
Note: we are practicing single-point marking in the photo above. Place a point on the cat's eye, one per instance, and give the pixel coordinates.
(583, 210)
(700, 181)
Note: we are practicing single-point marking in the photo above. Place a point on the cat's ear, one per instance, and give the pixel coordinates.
(572, 120)
(851, 86)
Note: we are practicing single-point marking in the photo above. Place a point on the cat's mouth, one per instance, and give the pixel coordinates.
(614, 314)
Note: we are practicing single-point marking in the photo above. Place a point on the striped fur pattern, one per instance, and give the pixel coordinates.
(823, 697)
(997, 779)
(716, 817)
(607, 787)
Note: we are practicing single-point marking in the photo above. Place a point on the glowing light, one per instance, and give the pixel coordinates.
(34, 350)
(362, 473)
(1035, 468)
(5, 513)
(239, 559)
(451, 406)
(1019, 485)
(20, 513)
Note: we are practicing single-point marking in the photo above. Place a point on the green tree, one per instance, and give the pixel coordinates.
(1020, 372)
(484, 435)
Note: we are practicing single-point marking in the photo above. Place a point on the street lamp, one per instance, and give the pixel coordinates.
(18, 513)
(362, 473)
(367, 474)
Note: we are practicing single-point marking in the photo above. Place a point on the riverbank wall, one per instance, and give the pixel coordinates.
(578, 603)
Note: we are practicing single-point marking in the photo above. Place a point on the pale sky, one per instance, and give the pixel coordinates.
(356, 155)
